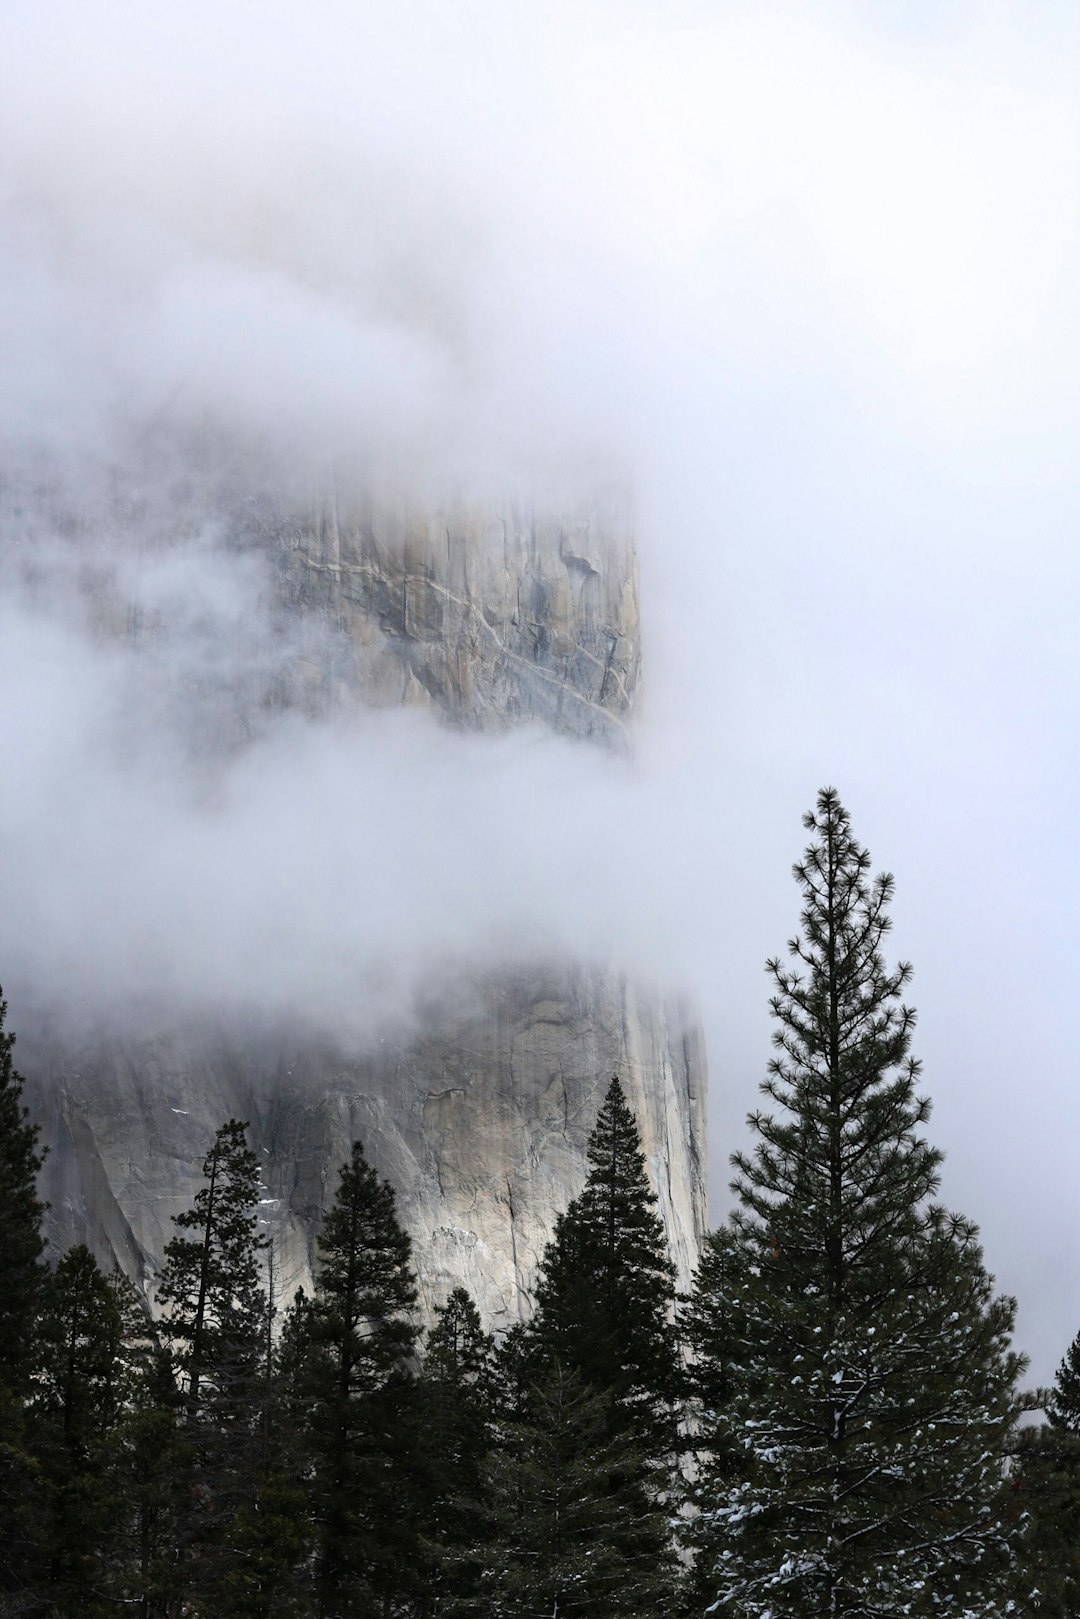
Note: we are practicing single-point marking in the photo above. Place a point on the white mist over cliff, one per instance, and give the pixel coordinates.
(805, 280)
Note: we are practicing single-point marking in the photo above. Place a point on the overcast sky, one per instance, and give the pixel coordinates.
(806, 277)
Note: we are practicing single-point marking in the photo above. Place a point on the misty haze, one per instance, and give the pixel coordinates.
(468, 479)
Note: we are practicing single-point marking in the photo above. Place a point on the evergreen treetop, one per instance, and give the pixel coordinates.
(210, 1288)
(1063, 1399)
(605, 1291)
(365, 1291)
(359, 1401)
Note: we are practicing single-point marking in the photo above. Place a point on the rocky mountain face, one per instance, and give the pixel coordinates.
(480, 1116)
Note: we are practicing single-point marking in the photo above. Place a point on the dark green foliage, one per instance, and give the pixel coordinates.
(76, 1406)
(714, 1337)
(214, 1323)
(605, 1293)
(79, 1387)
(1046, 1495)
(270, 1538)
(604, 1328)
(22, 1513)
(152, 1474)
(1063, 1402)
(355, 1340)
(270, 1535)
(213, 1304)
(573, 1531)
(457, 1402)
(862, 1391)
(21, 1240)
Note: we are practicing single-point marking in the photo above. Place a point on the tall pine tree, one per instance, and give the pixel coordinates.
(1046, 1495)
(605, 1292)
(605, 1296)
(21, 1295)
(868, 1386)
(457, 1399)
(76, 1407)
(214, 1319)
(21, 1239)
(209, 1289)
(359, 1333)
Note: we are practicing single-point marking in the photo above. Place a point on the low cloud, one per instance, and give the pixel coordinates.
(806, 279)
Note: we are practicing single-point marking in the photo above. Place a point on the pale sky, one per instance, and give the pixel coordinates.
(809, 278)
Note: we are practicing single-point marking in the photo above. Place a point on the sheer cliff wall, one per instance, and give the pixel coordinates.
(480, 1116)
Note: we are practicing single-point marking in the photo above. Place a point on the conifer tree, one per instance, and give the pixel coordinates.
(210, 1289)
(714, 1338)
(271, 1535)
(456, 1409)
(214, 1323)
(21, 1295)
(1046, 1493)
(153, 1473)
(869, 1387)
(605, 1292)
(79, 1386)
(569, 1515)
(1063, 1402)
(21, 1212)
(605, 1296)
(359, 1401)
(76, 1408)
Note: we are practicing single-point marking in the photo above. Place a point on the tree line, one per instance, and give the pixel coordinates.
(828, 1424)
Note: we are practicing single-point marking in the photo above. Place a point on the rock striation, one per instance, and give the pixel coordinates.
(480, 1116)
(489, 617)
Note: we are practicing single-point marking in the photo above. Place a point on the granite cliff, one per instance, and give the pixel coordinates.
(480, 1115)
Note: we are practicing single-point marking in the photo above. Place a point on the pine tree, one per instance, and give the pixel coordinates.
(214, 1318)
(210, 1289)
(605, 1296)
(360, 1403)
(76, 1407)
(1063, 1403)
(21, 1212)
(154, 1473)
(569, 1514)
(605, 1292)
(21, 1297)
(713, 1337)
(869, 1388)
(457, 1406)
(79, 1385)
(1046, 1492)
(271, 1535)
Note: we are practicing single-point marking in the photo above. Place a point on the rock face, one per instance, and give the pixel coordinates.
(480, 1119)
(489, 617)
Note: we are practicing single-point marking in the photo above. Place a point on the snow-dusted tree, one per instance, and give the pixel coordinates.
(867, 1391)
